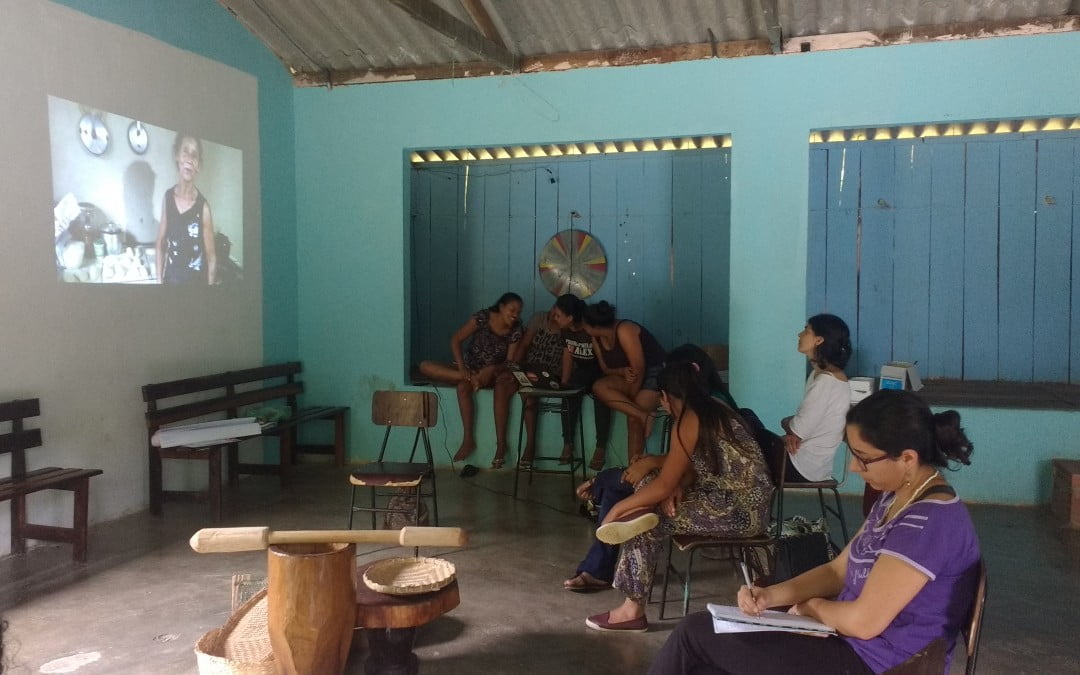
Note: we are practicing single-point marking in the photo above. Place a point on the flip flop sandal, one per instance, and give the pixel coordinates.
(589, 586)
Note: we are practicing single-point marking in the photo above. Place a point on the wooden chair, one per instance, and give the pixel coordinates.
(414, 409)
(931, 659)
(22, 483)
(757, 552)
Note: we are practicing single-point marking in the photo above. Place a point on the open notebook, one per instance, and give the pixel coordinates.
(728, 619)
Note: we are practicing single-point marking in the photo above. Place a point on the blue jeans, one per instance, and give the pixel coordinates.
(607, 489)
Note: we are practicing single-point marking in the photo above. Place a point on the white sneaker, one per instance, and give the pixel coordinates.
(627, 527)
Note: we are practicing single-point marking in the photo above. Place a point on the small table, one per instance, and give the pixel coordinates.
(391, 622)
(552, 401)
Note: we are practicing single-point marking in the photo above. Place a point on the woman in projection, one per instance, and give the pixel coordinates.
(185, 242)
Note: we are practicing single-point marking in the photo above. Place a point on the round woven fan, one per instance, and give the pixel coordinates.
(573, 261)
(407, 576)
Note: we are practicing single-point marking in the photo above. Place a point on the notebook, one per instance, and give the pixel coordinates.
(727, 619)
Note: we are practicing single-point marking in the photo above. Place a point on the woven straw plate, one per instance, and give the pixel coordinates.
(408, 576)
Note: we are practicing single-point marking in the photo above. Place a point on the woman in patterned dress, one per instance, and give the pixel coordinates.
(713, 481)
(487, 340)
(542, 348)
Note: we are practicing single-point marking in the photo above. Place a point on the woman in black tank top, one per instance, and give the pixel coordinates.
(185, 242)
(631, 359)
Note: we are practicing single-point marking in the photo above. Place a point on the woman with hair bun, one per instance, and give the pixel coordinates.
(813, 434)
(907, 578)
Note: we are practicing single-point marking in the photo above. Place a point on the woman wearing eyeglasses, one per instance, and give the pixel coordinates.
(907, 578)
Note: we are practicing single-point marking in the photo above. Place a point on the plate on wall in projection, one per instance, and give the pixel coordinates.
(573, 261)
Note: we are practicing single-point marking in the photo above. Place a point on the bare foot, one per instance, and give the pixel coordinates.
(465, 450)
(598, 460)
(586, 582)
(567, 455)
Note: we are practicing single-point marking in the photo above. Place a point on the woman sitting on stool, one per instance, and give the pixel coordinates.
(814, 433)
(580, 369)
(542, 348)
(907, 578)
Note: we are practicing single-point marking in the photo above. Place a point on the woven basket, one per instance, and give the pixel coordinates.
(409, 576)
(241, 646)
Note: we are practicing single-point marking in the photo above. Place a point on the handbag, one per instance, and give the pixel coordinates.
(802, 546)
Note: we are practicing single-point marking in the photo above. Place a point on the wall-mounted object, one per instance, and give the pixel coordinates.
(573, 261)
(138, 139)
(93, 133)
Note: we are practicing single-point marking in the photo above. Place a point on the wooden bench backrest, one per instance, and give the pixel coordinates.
(229, 400)
(404, 408)
(18, 440)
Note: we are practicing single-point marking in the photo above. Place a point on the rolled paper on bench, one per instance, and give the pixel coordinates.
(205, 432)
(233, 539)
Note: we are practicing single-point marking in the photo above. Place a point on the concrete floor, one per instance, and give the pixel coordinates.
(145, 598)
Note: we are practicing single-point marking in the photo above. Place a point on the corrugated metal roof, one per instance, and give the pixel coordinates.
(344, 41)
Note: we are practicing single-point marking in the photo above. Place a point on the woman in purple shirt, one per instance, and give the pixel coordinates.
(907, 578)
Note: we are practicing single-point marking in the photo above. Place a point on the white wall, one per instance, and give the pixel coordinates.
(85, 350)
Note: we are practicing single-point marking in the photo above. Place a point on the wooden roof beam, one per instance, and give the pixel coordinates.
(482, 19)
(435, 17)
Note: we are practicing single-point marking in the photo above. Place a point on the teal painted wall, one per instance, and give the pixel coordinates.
(206, 28)
(352, 202)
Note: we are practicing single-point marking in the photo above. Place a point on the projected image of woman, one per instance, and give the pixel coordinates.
(185, 242)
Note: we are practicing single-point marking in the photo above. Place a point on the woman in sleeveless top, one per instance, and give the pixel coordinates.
(631, 360)
(907, 578)
(185, 242)
(484, 343)
(713, 481)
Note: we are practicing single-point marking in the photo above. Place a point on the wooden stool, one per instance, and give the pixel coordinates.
(391, 622)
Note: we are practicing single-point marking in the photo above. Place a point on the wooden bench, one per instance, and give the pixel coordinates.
(23, 482)
(223, 395)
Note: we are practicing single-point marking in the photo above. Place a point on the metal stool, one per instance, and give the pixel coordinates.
(551, 401)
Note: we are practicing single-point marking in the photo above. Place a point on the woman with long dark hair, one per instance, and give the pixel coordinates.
(714, 480)
(907, 578)
(816, 430)
(487, 340)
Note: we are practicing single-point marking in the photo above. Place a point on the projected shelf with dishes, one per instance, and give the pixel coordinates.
(573, 261)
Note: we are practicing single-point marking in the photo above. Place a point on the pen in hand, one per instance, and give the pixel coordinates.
(746, 577)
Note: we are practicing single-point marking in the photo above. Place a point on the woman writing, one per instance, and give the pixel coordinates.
(480, 347)
(185, 242)
(814, 433)
(630, 358)
(713, 481)
(907, 578)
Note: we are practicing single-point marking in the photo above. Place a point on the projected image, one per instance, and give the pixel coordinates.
(135, 203)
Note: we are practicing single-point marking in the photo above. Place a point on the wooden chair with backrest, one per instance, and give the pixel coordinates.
(411, 409)
(22, 483)
(931, 659)
(757, 552)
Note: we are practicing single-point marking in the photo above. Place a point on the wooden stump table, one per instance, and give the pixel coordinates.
(391, 622)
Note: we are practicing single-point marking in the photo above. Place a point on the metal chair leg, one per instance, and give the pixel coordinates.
(352, 506)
